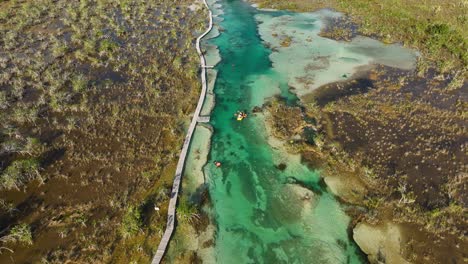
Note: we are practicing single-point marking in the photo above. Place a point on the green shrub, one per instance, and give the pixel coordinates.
(79, 83)
(19, 234)
(33, 146)
(19, 173)
(131, 222)
(107, 46)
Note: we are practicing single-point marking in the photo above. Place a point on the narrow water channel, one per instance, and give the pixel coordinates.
(261, 216)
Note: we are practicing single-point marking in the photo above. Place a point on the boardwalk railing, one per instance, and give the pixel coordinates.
(171, 214)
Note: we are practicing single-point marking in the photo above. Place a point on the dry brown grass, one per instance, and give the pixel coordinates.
(97, 93)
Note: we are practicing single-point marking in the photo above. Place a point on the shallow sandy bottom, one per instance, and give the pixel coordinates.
(187, 240)
(212, 58)
(350, 189)
(213, 33)
(380, 241)
(210, 98)
(216, 8)
(310, 61)
(197, 157)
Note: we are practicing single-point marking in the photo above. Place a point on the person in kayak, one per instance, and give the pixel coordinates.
(240, 115)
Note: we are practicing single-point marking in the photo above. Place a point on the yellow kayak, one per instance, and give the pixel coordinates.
(241, 116)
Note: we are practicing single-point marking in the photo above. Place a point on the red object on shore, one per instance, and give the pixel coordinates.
(218, 164)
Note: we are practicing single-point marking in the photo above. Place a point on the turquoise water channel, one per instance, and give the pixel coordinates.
(268, 207)
(260, 216)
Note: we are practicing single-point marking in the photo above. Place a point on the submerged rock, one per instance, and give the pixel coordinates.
(256, 109)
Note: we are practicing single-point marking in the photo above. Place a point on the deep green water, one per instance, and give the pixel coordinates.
(260, 216)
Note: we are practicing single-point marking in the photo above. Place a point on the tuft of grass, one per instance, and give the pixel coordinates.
(107, 46)
(186, 212)
(19, 173)
(3, 100)
(131, 222)
(19, 234)
(79, 83)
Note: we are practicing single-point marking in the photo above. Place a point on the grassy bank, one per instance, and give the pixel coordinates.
(94, 96)
(404, 169)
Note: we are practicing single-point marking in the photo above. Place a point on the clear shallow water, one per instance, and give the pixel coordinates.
(311, 61)
(260, 216)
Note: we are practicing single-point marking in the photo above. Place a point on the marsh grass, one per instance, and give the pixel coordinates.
(131, 222)
(91, 97)
(19, 173)
(187, 213)
(20, 233)
(402, 141)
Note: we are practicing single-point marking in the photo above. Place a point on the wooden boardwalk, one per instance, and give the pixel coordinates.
(171, 214)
